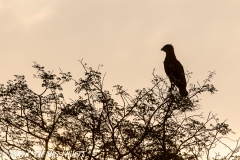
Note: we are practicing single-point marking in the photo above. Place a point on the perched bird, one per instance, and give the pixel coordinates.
(174, 70)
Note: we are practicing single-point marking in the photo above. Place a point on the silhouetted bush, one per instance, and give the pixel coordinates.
(153, 124)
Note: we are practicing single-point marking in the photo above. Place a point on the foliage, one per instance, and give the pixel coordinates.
(154, 124)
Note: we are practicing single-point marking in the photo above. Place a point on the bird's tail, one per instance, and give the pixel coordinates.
(183, 92)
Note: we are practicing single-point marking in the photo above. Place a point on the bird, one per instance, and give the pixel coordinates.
(174, 70)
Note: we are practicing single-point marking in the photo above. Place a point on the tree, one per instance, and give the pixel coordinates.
(151, 125)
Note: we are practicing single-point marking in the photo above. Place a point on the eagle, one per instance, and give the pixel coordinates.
(174, 70)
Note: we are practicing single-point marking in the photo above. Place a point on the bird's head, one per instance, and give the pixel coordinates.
(167, 48)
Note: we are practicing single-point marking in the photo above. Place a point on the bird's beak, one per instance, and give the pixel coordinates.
(161, 49)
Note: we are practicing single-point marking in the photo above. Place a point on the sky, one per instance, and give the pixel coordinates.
(126, 37)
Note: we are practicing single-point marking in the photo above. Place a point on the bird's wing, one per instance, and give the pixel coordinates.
(179, 72)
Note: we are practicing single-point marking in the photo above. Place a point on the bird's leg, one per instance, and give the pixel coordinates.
(170, 95)
(171, 88)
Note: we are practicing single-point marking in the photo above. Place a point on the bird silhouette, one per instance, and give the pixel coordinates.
(174, 70)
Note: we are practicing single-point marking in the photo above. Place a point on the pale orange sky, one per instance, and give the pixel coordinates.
(126, 37)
